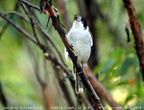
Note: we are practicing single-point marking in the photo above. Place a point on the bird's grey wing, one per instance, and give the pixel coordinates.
(66, 55)
(91, 38)
(65, 50)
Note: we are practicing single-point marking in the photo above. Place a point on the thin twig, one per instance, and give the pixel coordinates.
(31, 22)
(50, 40)
(36, 69)
(30, 4)
(18, 28)
(89, 106)
(49, 57)
(7, 24)
(36, 66)
(63, 86)
(17, 14)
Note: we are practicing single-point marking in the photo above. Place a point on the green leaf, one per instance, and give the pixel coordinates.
(125, 66)
(108, 66)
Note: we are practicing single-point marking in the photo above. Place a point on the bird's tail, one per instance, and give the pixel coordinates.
(79, 87)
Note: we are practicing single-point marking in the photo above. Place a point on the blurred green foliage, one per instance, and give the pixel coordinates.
(118, 67)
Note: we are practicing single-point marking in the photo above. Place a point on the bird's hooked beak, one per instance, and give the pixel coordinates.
(77, 18)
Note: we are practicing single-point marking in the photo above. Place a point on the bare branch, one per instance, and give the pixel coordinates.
(41, 30)
(18, 28)
(17, 14)
(86, 102)
(27, 11)
(7, 24)
(50, 40)
(136, 30)
(36, 68)
(30, 4)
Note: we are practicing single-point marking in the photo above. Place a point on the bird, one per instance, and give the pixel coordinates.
(80, 39)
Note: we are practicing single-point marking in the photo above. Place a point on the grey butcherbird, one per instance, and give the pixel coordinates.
(80, 39)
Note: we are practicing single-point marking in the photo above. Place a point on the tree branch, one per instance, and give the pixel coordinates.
(18, 27)
(17, 14)
(7, 24)
(29, 15)
(136, 30)
(30, 4)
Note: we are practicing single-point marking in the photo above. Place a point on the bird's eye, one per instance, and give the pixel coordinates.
(84, 22)
(82, 19)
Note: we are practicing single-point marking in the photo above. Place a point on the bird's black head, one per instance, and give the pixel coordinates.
(84, 22)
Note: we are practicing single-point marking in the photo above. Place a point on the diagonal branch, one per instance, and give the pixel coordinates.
(18, 28)
(99, 88)
(58, 26)
(136, 30)
(28, 13)
(30, 4)
(7, 24)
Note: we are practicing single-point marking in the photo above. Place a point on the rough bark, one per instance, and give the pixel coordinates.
(137, 33)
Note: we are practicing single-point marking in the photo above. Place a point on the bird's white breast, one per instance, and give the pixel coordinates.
(81, 42)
